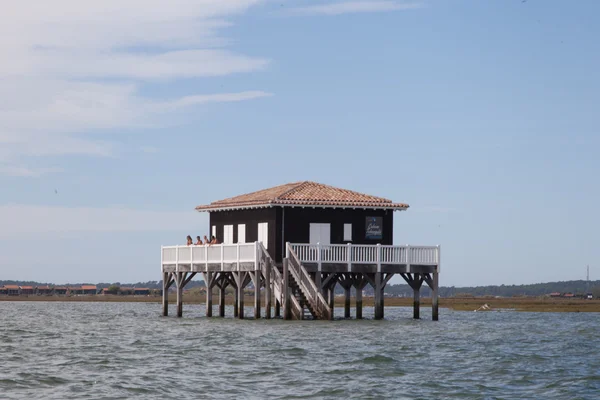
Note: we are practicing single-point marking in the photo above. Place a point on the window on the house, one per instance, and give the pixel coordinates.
(242, 233)
(228, 234)
(347, 232)
(263, 234)
(214, 231)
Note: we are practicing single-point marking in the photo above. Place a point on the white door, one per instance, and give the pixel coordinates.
(320, 233)
(228, 234)
(263, 234)
(242, 233)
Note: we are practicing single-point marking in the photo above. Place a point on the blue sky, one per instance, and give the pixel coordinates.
(116, 119)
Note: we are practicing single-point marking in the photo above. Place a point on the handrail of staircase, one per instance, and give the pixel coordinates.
(277, 280)
(276, 275)
(313, 294)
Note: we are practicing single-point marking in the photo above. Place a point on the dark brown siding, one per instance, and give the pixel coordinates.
(251, 218)
(296, 222)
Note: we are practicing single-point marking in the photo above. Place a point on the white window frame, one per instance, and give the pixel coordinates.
(320, 228)
(213, 232)
(241, 233)
(347, 232)
(228, 234)
(263, 233)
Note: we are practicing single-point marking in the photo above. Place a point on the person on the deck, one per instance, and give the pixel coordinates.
(189, 240)
(214, 240)
(198, 241)
(206, 241)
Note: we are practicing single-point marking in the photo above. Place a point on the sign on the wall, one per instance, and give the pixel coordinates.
(374, 228)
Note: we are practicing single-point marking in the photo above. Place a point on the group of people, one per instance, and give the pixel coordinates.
(200, 242)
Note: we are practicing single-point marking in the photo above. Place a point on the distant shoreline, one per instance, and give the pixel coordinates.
(531, 304)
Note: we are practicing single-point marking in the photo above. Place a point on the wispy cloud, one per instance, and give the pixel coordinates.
(348, 7)
(30, 219)
(21, 171)
(68, 74)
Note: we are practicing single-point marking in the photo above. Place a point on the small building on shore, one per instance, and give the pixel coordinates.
(45, 290)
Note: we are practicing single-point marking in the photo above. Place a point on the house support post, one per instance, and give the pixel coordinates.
(165, 296)
(222, 287)
(267, 289)
(416, 298)
(208, 280)
(434, 296)
(255, 276)
(359, 285)
(287, 314)
(179, 281)
(378, 296)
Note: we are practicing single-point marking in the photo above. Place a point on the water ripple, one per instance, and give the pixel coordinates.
(126, 350)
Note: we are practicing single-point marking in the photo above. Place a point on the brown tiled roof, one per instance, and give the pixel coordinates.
(27, 287)
(140, 289)
(88, 287)
(303, 194)
(11, 287)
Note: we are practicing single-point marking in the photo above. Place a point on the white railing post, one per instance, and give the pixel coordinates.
(191, 257)
(287, 250)
(177, 259)
(205, 257)
(319, 257)
(408, 258)
(256, 262)
(349, 257)
(439, 259)
(222, 266)
(378, 257)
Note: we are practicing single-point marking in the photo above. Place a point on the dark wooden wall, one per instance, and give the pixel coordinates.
(296, 222)
(251, 218)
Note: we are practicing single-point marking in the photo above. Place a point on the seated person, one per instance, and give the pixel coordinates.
(189, 240)
(198, 241)
(214, 240)
(206, 241)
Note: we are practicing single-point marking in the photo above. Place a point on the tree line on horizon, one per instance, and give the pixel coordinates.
(400, 290)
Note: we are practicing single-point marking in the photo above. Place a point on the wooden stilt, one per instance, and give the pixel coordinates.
(236, 302)
(347, 302)
(208, 280)
(179, 280)
(277, 309)
(416, 298)
(433, 284)
(332, 296)
(241, 283)
(255, 276)
(287, 312)
(434, 296)
(378, 296)
(268, 290)
(359, 285)
(318, 281)
(165, 297)
(222, 287)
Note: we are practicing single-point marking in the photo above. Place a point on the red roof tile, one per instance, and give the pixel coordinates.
(303, 194)
(11, 287)
(88, 287)
(27, 287)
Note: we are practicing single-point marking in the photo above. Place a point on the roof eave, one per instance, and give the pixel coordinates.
(269, 205)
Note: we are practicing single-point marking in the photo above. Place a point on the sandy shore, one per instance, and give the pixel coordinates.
(535, 304)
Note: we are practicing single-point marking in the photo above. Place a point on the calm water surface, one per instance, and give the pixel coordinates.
(126, 350)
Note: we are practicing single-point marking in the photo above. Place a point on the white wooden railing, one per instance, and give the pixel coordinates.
(366, 254)
(209, 254)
